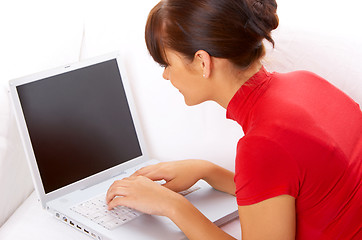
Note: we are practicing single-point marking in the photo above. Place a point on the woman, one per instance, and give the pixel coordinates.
(298, 167)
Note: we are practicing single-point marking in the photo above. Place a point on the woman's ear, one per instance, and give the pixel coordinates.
(203, 59)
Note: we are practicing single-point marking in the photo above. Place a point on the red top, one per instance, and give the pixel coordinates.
(303, 137)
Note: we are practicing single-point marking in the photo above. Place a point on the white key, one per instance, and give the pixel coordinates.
(104, 219)
(111, 225)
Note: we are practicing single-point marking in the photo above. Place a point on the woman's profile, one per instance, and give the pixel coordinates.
(298, 166)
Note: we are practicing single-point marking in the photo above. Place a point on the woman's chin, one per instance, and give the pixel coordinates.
(190, 102)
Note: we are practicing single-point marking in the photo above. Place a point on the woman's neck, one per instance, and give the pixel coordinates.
(229, 80)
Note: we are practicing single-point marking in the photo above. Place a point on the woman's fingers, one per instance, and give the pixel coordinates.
(141, 194)
(179, 175)
(118, 201)
(118, 188)
(155, 172)
(143, 170)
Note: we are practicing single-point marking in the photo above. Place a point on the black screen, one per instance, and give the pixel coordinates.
(79, 123)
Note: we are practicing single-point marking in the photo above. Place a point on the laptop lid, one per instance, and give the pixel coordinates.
(78, 125)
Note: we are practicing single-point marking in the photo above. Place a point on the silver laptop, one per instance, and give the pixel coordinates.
(80, 131)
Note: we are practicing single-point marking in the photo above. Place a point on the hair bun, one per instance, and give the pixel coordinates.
(264, 17)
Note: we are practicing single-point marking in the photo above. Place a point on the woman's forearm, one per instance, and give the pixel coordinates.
(193, 223)
(218, 177)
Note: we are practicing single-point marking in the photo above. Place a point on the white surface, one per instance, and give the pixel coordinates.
(30, 221)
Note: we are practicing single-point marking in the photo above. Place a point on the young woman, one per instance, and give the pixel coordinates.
(298, 167)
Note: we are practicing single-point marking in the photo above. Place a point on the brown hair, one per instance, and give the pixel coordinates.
(230, 29)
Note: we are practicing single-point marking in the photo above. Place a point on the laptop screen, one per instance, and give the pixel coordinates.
(79, 123)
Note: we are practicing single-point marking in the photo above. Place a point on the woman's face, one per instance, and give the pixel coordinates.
(187, 78)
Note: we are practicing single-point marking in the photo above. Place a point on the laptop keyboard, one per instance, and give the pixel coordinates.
(96, 210)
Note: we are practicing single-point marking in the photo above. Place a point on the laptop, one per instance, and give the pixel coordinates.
(81, 132)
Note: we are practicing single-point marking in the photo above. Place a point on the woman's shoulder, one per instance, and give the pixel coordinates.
(307, 90)
(296, 73)
(300, 78)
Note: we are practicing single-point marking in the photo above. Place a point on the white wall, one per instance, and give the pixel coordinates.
(34, 35)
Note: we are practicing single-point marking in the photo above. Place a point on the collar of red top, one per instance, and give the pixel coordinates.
(240, 105)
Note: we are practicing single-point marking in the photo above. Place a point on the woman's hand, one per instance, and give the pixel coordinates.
(179, 175)
(142, 194)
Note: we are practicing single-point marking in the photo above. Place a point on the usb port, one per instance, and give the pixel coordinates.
(71, 223)
(79, 227)
(86, 231)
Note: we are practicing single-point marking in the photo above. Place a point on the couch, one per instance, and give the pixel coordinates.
(319, 36)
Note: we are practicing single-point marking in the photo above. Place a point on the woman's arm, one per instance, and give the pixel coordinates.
(193, 223)
(219, 178)
(180, 175)
(273, 218)
(144, 195)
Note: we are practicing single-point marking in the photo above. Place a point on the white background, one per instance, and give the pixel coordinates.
(320, 36)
